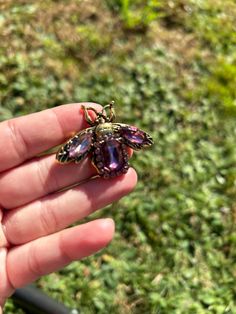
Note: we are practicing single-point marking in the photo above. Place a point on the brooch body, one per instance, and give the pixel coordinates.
(106, 141)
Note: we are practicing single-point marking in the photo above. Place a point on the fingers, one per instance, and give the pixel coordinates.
(5, 287)
(38, 178)
(3, 240)
(25, 137)
(57, 211)
(28, 262)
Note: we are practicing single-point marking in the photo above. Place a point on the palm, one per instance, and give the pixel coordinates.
(33, 213)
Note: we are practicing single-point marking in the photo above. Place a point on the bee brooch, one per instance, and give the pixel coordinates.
(106, 141)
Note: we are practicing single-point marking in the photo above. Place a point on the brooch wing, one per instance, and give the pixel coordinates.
(134, 137)
(77, 147)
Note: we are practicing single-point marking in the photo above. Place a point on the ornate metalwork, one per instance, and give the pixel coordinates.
(106, 141)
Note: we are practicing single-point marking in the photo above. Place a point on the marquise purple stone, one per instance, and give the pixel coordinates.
(134, 135)
(113, 160)
(81, 146)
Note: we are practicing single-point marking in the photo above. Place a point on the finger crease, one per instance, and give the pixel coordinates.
(41, 173)
(33, 263)
(4, 268)
(48, 218)
(43, 168)
(59, 123)
(3, 238)
(66, 258)
(19, 143)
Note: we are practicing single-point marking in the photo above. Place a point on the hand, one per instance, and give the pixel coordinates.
(33, 213)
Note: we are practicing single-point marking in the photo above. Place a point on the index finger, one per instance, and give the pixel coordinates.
(24, 137)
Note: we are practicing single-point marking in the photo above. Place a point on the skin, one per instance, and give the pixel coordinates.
(38, 199)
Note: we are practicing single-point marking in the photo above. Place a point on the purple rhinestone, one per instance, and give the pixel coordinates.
(80, 145)
(112, 156)
(134, 135)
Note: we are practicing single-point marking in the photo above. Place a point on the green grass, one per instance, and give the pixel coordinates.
(170, 66)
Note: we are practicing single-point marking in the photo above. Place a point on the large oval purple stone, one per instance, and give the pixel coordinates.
(80, 145)
(112, 155)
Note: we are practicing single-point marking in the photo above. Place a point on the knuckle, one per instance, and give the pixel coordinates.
(33, 262)
(19, 143)
(65, 256)
(43, 169)
(11, 222)
(48, 218)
